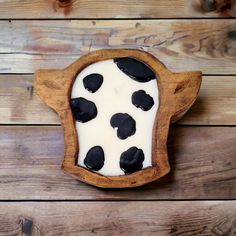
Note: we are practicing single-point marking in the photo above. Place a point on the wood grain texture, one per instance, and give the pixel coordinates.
(215, 105)
(177, 93)
(20, 104)
(182, 45)
(202, 160)
(118, 218)
(114, 9)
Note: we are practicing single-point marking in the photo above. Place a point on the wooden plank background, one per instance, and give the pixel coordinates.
(115, 9)
(216, 104)
(202, 160)
(197, 197)
(118, 218)
(206, 45)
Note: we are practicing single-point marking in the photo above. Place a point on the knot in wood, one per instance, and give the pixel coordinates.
(209, 5)
(232, 34)
(64, 3)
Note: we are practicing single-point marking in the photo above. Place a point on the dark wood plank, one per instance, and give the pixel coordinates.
(118, 218)
(203, 166)
(206, 45)
(114, 9)
(216, 103)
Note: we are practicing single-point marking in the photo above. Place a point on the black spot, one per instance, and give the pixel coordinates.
(135, 69)
(94, 159)
(125, 124)
(83, 109)
(93, 82)
(142, 100)
(132, 160)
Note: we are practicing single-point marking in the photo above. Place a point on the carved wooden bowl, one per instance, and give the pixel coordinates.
(176, 93)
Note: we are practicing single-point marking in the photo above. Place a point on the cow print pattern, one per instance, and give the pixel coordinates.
(142, 100)
(125, 124)
(94, 159)
(135, 69)
(83, 109)
(93, 82)
(132, 160)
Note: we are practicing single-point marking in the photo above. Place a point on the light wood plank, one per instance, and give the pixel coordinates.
(206, 45)
(203, 166)
(112, 9)
(20, 104)
(118, 218)
(216, 103)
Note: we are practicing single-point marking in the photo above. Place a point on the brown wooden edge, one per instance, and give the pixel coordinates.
(177, 92)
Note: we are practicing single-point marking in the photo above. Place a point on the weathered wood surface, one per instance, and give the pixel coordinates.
(118, 218)
(20, 104)
(202, 159)
(216, 103)
(37, 9)
(182, 45)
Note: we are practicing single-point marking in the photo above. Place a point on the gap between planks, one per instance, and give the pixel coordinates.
(116, 19)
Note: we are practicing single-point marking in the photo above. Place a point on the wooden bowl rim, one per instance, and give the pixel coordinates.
(167, 88)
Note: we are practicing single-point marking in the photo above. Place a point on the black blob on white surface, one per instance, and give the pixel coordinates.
(135, 69)
(93, 82)
(142, 100)
(132, 160)
(94, 159)
(83, 109)
(125, 124)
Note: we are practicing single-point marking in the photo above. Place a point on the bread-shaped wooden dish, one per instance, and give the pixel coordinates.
(116, 107)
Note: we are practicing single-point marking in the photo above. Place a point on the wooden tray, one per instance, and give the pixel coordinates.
(177, 92)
